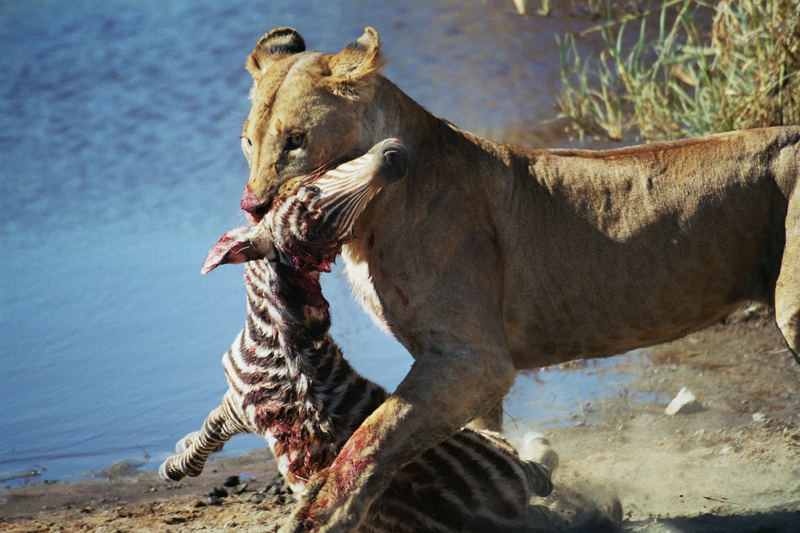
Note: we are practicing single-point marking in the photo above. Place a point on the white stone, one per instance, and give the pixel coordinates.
(684, 402)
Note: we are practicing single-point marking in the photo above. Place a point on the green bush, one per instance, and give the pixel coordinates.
(711, 67)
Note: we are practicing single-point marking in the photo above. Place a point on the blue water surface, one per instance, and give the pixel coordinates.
(121, 167)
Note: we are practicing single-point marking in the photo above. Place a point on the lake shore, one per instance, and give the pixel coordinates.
(730, 464)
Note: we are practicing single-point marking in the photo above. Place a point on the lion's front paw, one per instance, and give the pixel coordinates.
(312, 512)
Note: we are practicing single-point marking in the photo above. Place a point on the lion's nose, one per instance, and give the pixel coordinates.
(249, 200)
(252, 204)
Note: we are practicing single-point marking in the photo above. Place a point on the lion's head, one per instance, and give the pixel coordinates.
(305, 111)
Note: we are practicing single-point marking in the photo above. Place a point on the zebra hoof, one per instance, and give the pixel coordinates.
(162, 472)
(167, 475)
(536, 448)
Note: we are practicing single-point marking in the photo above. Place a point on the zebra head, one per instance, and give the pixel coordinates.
(311, 225)
(308, 227)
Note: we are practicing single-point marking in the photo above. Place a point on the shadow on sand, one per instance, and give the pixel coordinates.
(785, 521)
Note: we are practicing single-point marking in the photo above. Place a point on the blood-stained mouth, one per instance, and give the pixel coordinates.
(253, 207)
(256, 215)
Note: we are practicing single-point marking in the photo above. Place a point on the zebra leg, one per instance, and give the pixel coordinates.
(537, 449)
(540, 460)
(577, 507)
(186, 442)
(193, 450)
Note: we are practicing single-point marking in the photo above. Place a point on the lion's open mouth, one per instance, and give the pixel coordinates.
(256, 216)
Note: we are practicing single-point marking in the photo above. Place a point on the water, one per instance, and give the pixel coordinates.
(121, 167)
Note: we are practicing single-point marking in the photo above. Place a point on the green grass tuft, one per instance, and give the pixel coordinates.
(710, 67)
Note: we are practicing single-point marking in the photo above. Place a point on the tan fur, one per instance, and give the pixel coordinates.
(488, 258)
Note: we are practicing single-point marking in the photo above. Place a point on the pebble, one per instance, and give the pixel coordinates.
(213, 500)
(218, 492)
(684, 402)
(275, 487)
(231, 481)
(759, 417)
(256, 497)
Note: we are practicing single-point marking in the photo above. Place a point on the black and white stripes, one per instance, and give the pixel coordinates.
(289, 382)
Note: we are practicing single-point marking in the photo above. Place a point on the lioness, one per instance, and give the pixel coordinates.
(488, 258)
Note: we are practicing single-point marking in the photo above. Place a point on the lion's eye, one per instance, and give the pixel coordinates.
(247, 147)
(295, 141)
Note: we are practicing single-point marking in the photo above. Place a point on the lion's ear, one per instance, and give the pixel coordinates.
(353, 68)
(275, 45)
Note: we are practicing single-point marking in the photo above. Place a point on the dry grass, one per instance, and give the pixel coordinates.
(691, 67)
(590, 8)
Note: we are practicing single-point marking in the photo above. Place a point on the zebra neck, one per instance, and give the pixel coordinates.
(300, 394)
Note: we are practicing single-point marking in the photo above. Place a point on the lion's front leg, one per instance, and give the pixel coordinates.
(445, 389)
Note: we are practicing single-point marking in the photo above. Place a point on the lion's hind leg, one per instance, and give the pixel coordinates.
(787, 289)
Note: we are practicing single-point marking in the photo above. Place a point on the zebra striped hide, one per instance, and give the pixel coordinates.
(289, 382)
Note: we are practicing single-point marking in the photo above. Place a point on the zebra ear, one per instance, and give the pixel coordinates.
(238, 245)
(275, 45)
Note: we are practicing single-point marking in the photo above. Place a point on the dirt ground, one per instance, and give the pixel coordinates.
(730, 465)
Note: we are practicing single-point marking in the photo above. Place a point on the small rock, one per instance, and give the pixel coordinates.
(239, 489)
(256, 497)
(231, 481)
(683, 403)
(759, 417)
(276, 486)
(218, 492)
(213, 500)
